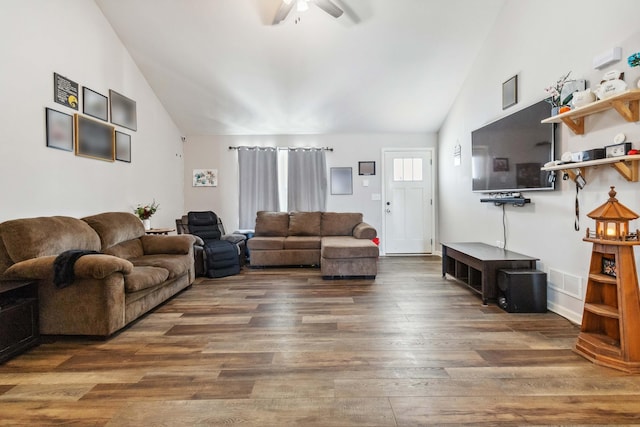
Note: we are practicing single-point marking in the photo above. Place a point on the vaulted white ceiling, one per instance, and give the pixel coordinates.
(385, 66)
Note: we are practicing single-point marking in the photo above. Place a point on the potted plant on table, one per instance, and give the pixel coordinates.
(145, 212)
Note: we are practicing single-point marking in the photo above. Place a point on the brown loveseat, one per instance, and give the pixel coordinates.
(340, 243)
(132, 274)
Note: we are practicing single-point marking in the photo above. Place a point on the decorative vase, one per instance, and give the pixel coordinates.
(554, 111)
(147, 224)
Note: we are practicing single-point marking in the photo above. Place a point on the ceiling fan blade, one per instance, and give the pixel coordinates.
(329, 7)
(283, 12)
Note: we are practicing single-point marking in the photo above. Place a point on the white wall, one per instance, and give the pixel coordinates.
(540, 40)
(72, 38)
(213, 153)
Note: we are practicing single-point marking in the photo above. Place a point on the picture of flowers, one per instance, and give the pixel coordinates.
(205, 177)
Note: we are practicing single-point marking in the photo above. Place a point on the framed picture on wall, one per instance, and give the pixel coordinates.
(205, 177)
(59, 130)
(94, 104)
(366, 168)
(123, 111)
(510, 92)
(123, 147)
(341, 181)
(94, 139)
(65, 91)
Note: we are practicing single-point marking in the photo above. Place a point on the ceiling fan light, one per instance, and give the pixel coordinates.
(287, 2)
(302, 5)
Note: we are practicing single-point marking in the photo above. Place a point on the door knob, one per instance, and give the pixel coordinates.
(388, 210)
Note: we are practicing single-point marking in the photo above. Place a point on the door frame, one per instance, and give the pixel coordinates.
(383, 174)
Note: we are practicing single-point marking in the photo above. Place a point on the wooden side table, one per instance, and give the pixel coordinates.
(160, 230)
(19, 328)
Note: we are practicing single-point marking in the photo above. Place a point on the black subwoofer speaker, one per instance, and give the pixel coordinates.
(522, 291)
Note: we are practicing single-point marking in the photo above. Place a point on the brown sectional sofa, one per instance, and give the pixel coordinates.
(340, 243)
(132, 274)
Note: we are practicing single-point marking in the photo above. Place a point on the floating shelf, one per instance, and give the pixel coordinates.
(627, 104)
(627, 166)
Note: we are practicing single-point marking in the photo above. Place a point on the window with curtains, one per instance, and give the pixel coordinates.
(294, 180)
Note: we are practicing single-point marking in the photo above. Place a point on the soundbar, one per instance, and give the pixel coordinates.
(498, 201)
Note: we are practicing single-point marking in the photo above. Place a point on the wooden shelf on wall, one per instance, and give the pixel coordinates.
(627, 104)
(627, 166)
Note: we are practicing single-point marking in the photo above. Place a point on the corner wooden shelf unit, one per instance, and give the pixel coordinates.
(627, 104)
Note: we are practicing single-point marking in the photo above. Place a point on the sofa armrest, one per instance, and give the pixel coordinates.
(95, 266)
(364, 231)
(180, 245)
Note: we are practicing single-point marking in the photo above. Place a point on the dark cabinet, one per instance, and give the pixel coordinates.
(18, 317)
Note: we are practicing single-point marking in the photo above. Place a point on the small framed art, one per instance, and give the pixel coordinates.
(65, 91)
(205, 177)
(94, 104)
(123, 147)
(123, 111)
(59, 130)
(341, 181)
(366, 168)
(609, 266)
(94, 139)
(510, 92)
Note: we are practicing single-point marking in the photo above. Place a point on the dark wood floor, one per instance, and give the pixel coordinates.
(282, 347)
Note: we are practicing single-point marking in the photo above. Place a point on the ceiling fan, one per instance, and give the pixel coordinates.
(303, 5)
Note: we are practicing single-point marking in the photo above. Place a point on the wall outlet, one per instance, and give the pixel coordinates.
(500, 244)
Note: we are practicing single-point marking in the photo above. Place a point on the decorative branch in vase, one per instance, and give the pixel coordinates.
(145, 213)
(554, 96)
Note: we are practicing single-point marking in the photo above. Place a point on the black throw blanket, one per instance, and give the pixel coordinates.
(63, 274)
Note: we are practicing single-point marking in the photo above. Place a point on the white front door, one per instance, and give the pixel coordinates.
(408, 202)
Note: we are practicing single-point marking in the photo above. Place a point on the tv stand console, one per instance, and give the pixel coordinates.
(476, 264)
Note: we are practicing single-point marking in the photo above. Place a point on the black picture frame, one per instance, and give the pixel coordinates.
(510, 92)
(123, 110)
(59, 129)
(123, 147)
(94, 139)
(341, 181)
(609, 266)
(65, 91)
(366, 168)
(95, 104)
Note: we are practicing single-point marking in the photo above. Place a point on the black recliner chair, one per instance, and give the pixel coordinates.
(221, 257)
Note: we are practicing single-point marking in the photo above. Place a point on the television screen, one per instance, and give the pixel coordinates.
(507, 154)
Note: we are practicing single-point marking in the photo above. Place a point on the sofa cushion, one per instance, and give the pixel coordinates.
(266, 243)
(272, 224)
(339, 223)
(142, 277)
(302, 242)
(304, 223)
(177, 265)
(337, 247)
(36, 237)
(126, 250)
(115, 227)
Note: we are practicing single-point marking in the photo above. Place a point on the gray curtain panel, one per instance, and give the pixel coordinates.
(307, 182)
(258, 183)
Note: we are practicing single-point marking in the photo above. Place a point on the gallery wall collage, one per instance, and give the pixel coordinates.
(89, 134)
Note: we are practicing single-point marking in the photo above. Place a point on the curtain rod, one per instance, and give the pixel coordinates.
(231, 147)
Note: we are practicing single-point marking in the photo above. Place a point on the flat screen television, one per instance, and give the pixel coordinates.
(507, 154)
